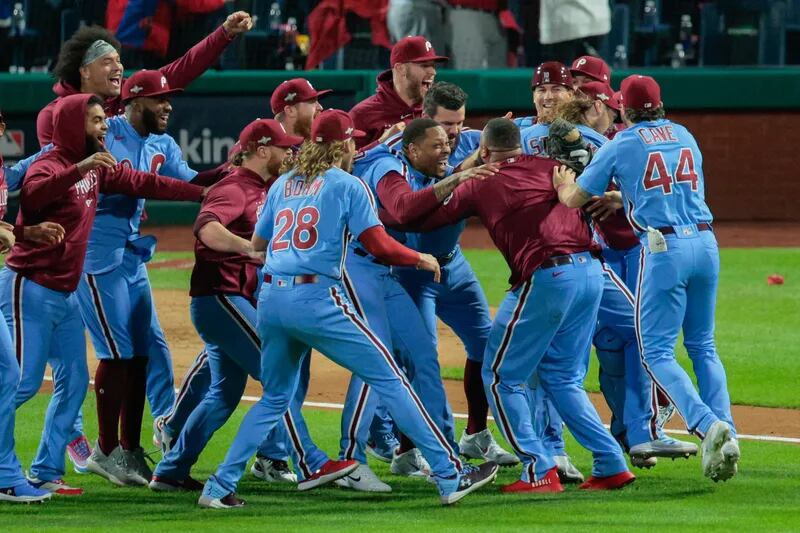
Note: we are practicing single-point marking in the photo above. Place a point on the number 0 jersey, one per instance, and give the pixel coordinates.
(308, 226)
(659, 169)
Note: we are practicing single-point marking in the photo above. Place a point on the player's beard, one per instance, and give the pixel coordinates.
(93, 146)
(150, 122)
(303, 127)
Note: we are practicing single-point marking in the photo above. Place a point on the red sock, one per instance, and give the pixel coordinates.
(109, 380)
(405, 444)
(477, 406)
(133, 404)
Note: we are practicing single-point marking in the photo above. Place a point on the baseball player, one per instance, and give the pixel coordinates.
(459, 299)
(223, 301)
(13, 485)
(294, 104)
(39, 282)
(309, 215)
(544, 325)
(401, 89)
(661, 179)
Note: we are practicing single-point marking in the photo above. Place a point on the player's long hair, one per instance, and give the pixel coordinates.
(314, 159)
(574, 110)
(73, 49)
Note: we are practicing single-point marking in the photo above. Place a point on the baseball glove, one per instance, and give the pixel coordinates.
(565, 144)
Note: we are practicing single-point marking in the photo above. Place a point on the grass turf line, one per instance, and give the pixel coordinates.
(673, 496)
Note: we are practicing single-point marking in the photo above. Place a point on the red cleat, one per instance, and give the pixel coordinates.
(617, 481)
(330, 471)
(548, 484)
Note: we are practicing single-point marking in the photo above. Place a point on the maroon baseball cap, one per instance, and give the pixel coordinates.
(414, 49)
(146, 83)
(597, 90)
(640, 92)
(267, 132)
(552, 72)
(333, 125)
(293, 91)
(616, 101)
(593, 67)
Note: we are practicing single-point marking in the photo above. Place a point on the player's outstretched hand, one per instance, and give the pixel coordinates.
(429, 263)
(45, 233)
(604, 206)
(96, 160)
(396, 128)
(238, 23)
(563, 175)
(7, 241)
(481, 172)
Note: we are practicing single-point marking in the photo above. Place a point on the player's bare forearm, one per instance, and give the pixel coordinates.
(443, 188)
(568, 191)
(218, 238)
(259, 244)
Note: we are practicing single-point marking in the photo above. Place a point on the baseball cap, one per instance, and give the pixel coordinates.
(616, 101)
(414, 49)
(593, 67)
(333, 125)
(267, 132)
(293, 91)
(597, 90)
(146, 83)
(552, 72)
(640, 92)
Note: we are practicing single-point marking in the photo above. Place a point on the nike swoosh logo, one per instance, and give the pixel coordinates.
(356, 479)
(556, 274)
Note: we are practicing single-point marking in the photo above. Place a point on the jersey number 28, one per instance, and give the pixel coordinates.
(656, 173)
(302, 226)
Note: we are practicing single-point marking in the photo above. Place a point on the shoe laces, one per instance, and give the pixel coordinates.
(280, 465)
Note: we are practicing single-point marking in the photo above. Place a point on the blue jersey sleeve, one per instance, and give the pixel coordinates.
(595, 178)
(175, 165)
(361, 213)
(16, 172)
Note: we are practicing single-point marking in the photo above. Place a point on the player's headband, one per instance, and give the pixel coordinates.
(96, 50)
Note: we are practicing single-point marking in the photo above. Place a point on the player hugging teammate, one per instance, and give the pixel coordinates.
(592, 202)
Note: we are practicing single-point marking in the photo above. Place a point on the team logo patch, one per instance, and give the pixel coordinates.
(348, 131)
(136, 89)
(603, 96)
(428, 46)
(687, 231)
(581, 259)
(163, 82)
(290, 97)
(264, 140)
(580, 62)
(546, 77)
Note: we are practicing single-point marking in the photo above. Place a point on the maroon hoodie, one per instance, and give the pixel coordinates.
(382, 110)
(179, 74)
(55, 190)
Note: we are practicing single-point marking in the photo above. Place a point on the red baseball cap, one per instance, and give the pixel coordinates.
(293, 91)
(333, 125)
(267, 132)
(593, 67)
(414, 49)
(640, 92)
(552, 72)
(616, 101)
(146, 83)
(597, 90)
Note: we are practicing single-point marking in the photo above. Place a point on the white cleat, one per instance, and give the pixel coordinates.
(664, 447)
(161, 436)
(641, 462)
(720, 452)
(411, 464)
(567, 472)
(363, 479)
(272, 471)
(229, 501)
(482, 445)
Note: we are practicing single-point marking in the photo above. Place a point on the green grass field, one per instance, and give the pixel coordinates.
(757, 333)
(674, 496)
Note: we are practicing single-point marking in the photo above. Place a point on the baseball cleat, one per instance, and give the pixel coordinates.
(617, 481)
(78, 452)
(24, 493)
(482, 445)
(161, 436)
(330, 471)
(229, 501)
(108, 466)
(720, 452)
(55, 486)
(470, 479)
(136, 468)
(166, 484)
(363, 479)
(550, 483)
(410, 463)
(384, 449)
(641, 462)
(664, 447)
(272, 470)
(665, 413)
(567, 472)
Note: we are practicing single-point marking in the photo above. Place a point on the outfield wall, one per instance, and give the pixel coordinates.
(747, 122)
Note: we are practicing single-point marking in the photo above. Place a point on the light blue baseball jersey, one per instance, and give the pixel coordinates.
(524, 122)
(533, 138)
(308, 226)
(118, 215)
(659, 169)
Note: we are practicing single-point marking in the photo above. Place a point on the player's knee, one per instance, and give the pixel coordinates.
(698, 350)
(608, 340)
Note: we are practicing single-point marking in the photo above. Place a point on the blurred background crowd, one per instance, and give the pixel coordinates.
(476, 34)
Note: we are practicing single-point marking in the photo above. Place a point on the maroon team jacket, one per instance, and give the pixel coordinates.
(54, 190)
